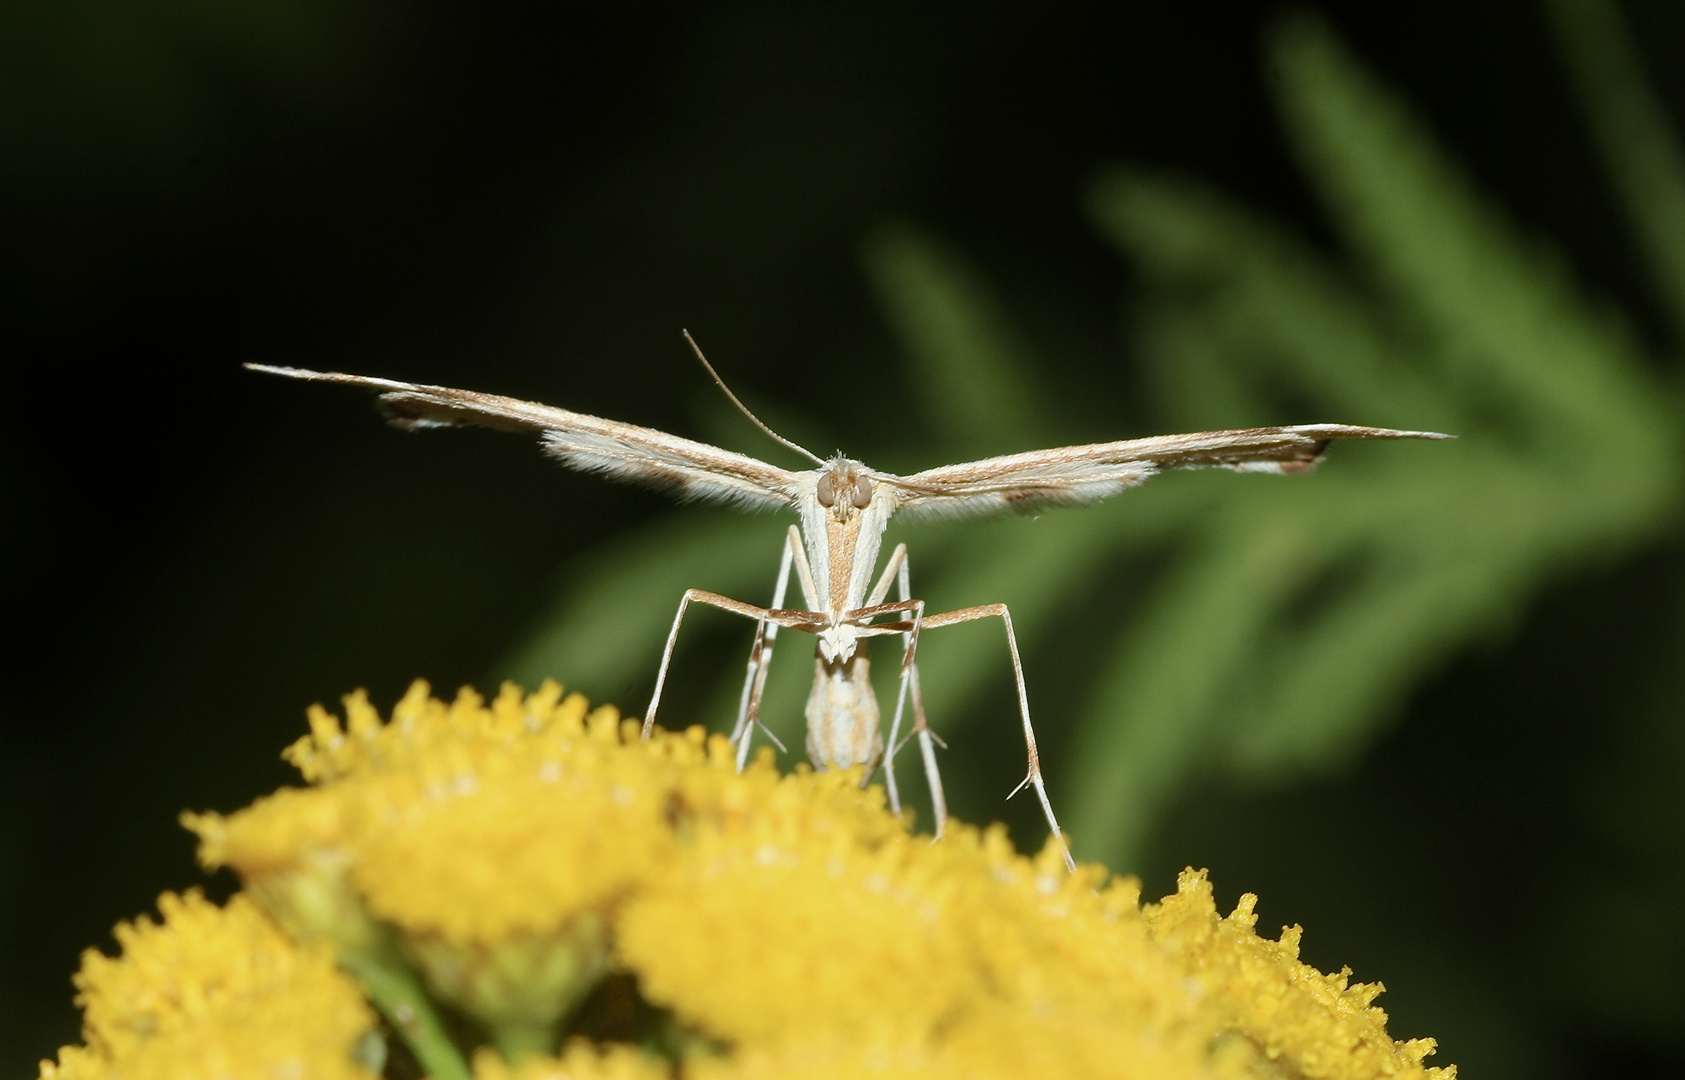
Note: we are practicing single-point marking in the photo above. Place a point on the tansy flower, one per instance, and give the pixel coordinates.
(211, 993)
(528, 890)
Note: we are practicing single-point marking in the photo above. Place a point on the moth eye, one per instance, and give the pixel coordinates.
(827, 491)
(862, 492)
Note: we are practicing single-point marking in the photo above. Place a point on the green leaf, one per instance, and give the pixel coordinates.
(1296, 618)
(1246, 315)
(966, 363)
(1640, 149)
(1155, 710)
(1510, 331)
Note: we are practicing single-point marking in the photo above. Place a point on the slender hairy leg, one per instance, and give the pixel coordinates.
(760, 659)
(900, 565)
(1033, 777)
(766, 633)
(757, 653)
(920, 723)
(897, 564)
(909, 649)
(895, 570)
(803, 620)
(921, 726)
(804, 572)
(881, 589)
(938, 799)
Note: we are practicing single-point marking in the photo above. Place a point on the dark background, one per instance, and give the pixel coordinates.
(533, 201)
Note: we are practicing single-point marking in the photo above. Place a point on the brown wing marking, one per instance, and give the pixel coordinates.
(693, 470)
(1076, 475)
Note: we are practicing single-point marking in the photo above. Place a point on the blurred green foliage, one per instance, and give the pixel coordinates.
(1284, 620)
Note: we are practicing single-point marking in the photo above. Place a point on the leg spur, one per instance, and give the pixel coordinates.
(1033, 777)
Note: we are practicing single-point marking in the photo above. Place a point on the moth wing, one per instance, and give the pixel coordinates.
(1078, 475)
(689, 469)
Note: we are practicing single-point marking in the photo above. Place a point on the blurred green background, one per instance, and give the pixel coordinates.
(1429, 702)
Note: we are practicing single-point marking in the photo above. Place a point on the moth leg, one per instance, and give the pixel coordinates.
(897, 570)
(921, 727)
(887, 578)
(897, 563)
(760, 661)
(797, 619)
(1033, 777)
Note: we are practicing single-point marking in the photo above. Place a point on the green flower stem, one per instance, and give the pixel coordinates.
(515, 1039)
(398, 994)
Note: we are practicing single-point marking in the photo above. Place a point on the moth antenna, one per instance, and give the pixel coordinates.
(744, 409)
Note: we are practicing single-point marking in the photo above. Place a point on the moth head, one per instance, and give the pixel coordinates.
(844, 489)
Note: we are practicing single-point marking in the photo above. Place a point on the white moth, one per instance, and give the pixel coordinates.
(843, 507)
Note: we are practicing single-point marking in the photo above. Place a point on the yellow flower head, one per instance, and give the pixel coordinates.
(554, 875)
(581, 1061)
(467, 821)
(211, 993)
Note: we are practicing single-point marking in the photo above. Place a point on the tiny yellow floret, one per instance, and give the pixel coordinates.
(579, 1061)
(212, 993)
